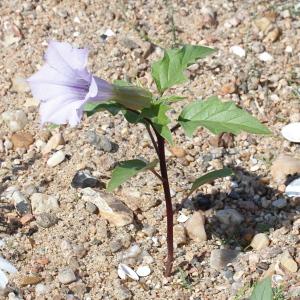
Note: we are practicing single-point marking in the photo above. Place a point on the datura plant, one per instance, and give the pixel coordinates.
(67, 90)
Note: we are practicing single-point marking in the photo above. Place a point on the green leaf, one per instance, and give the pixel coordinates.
(262, 290)
(122, 83)
(112, 107)
(165, 132)
(169, 70)
(170, 99)
(218, 117)
(127, 169)
(210, 177)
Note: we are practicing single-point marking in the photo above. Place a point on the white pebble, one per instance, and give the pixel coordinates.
(143, 271)
(56, 158)
(293, 189)
(182, 218)
(16, 120)
(125, 271)
(288, 49)
(266, 57)
(237, 50)
(292, 132)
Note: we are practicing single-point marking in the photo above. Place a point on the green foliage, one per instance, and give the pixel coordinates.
(127, 169)
(210, 177)
(169, 70)
(170, 99)
(157, 114)
(185, 280)
(278, 293)
(218, 117)
(262, 290)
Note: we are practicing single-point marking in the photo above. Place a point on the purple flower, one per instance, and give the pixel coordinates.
(64, 86)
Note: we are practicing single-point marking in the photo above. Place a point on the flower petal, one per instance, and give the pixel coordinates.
(100, 90)
(7, 266)
(3, 280)
(47, 83)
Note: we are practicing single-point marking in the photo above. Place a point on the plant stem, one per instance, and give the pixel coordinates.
(152, 138)
(166, 187)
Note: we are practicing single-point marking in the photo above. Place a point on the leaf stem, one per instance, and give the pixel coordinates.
(168, 200)
(151, 137)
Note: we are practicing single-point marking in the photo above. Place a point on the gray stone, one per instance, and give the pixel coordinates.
(280, 203)
(91, 208)
(115, 245)
(229, 216)
(101, 142)
(84, 179)
(46, 220)
(220, 258)
(41, 203)
(66, 276)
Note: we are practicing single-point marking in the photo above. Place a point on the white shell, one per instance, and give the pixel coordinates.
(292, 132)
(182, 218)
(125, 271)
(143, 271)
(293, 189)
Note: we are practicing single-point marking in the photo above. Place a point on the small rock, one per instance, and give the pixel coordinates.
(19, 84)
(22, 140)
(273, 35)
(101, 142)
(46, 220)
(66, 276)
(41, 289)
(56, 159)
(84, 179)
(229, 216)
(178, 151)
(260, 241)
(125, 271)
(115, 245)
(91, 207)
(265, 56)
(291, 132)
(182, 218)
(27, 219)
(15, 120)
(143, 271)
(55, 141)
(122, 293)
(284, 165)
(41, 203)
(111, 208)
(237, 50)
(179, 235)
(30, 280)
(195, 227)
(280, 203)
(220, 258)
(293, 189)
(262, 24)
(21, 203)
(288, 263)
(228, 88)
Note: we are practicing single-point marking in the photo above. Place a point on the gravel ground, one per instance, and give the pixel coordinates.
(52, 231)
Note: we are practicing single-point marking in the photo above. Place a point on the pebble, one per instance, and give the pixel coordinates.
(124, 271)
(84, 179)
(293, 189)
(143, 271)
(237, 50)
(41, 203)
(30, 280)
(15, 120)
(265, 57)
(55, 141)
(56, 158)
(288, 263)
(284, 165)
(279, 203)
(21, 203)
(46, 220)
(41, 289)
(111, 208)
(66, 276)
(91, 207)
(19, 84)
(260, 241)
(178, 151)
(291, 132)
(229, 216)
(179, 233)
(182, 218)
(101, 142)
(22, 140)
(220, 258)
(195, 227)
